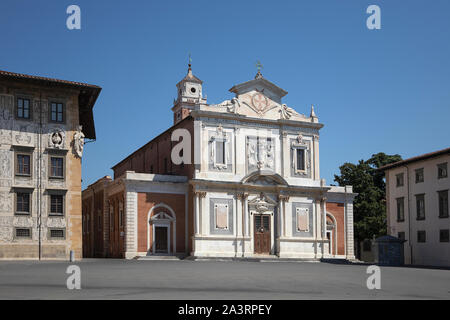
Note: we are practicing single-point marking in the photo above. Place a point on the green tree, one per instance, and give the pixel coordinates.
(369, 206)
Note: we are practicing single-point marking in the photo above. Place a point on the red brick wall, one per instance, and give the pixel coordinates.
(152, 155)
(146, 201)
(337, 210)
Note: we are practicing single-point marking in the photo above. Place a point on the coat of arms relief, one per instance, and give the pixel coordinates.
(260, 153)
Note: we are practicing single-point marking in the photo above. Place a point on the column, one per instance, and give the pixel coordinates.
(283, 227)
(323, 223)
(202, 219)
(349, 224)
(247, 220)
(196, 213)
(243, 230)
(285, 155)
(316, 157)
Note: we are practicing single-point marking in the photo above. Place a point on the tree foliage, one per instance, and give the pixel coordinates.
(369, 206)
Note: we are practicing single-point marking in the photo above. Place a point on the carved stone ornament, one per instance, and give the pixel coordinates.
(78, 142)
(23, 134)
(286, 112)
(259, 102)
(262, 204)
(300, 138)
(56, 139)
(232, 105)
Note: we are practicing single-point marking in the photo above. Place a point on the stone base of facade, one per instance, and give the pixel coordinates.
(31, 251)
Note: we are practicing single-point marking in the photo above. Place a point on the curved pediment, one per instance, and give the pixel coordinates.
(265, 178)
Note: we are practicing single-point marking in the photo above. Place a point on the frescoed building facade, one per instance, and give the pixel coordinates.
(43, 124)
(250, 185)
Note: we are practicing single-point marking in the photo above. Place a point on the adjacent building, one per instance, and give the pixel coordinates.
(43, 124)
(248, 185)
(417, 207)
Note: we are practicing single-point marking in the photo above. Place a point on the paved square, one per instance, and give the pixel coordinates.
(138, 279)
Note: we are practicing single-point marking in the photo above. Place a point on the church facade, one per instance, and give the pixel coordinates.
(249, 185)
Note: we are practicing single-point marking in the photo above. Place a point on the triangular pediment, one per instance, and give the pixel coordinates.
(269, 89)
(258, 98)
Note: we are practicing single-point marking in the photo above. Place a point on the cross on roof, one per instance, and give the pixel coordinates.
(259, 66)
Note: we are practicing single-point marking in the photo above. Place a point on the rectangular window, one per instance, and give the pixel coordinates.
(400, 209)
(444, 236)
(57, 233)
(442, 170)
(23, 203)
(56, 112)
(57, 204)
(23, 109)
(220, 152)
(23, 164)
(419, 175)
(221, 213)
(420, 206)
(401, 235)
(443, 203)
(421, 236)
(399, 179)
(56, 167)
(300, 163)
(23, 232)
(151, 169)
(302, 219)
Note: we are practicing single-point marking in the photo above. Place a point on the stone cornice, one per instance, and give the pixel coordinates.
(238, 117)
(256, 188)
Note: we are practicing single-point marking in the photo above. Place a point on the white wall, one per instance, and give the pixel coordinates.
(432, 252)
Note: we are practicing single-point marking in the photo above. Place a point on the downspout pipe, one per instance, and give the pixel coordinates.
(409, 213)
(39, 182)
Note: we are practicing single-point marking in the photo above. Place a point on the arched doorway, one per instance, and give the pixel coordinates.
(331, 233)
(161, 230)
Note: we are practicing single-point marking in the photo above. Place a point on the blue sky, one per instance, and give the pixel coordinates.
(382, 90)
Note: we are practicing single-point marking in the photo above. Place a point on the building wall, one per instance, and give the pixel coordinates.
(148, 201)
(151, 157)
(259, 171)
(337, 210)
(16, 133)
(432, 252)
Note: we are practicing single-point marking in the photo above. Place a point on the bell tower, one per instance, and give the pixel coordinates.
(189, 91)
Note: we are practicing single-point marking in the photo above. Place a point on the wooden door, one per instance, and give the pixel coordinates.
(262, 233)
(161, 240)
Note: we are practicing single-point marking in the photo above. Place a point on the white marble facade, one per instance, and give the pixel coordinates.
(258, 167)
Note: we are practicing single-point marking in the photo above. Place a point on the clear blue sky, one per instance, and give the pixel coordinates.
(375, 90)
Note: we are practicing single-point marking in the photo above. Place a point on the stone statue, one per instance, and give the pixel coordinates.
(78, 142)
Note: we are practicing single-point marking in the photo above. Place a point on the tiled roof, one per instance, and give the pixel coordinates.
(86, 98)
(31, 77)
(415, 159)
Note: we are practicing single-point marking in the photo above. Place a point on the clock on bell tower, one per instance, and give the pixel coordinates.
(189, 94)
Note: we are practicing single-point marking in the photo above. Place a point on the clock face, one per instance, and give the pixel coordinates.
(259, 101)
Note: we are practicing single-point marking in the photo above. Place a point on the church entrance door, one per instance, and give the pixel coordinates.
(262, 233)
(161, 245)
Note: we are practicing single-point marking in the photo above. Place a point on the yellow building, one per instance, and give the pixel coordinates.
(43, 125)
